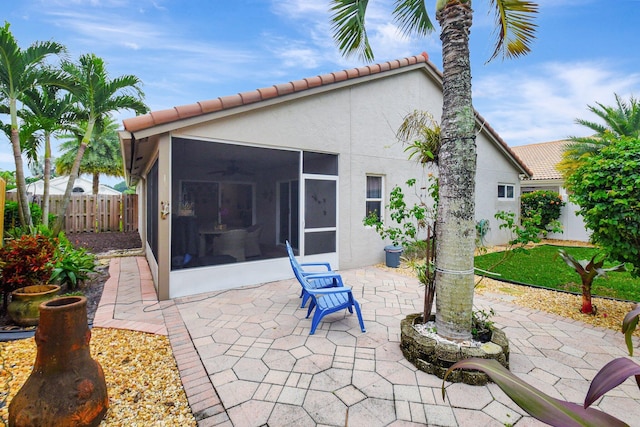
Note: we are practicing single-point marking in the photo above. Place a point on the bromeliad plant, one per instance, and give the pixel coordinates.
(588, 271)
(558, 412)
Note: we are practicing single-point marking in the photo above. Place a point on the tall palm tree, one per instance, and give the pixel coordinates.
(102, 156)
(97, 95)
(455, 227)
(623, 119)
(20, 71)
(49, 111)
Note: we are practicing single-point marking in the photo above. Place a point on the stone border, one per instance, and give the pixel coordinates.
(433, 357)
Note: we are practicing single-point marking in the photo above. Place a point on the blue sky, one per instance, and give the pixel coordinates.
(191, 50)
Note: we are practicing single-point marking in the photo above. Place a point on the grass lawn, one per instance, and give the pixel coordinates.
(542, 266)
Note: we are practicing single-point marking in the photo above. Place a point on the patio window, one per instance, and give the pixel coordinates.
(506, 192)
(374, 196)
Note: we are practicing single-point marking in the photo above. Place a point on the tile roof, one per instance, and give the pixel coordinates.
(171, 115)
(156, 118)
(542, 158)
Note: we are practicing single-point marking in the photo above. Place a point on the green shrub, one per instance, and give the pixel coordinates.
(12, 217)
(606, 187)
(546, 203)
(72, 266)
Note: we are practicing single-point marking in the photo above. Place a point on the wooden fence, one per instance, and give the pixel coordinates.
(94, 213)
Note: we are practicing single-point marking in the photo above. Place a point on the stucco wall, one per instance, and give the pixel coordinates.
(359, 123)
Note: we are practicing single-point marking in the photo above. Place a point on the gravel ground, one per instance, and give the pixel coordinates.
(143, 382)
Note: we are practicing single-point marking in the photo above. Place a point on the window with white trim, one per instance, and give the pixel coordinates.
(374, 196)
(506, 192)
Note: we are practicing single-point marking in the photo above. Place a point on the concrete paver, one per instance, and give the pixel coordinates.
(246, 357)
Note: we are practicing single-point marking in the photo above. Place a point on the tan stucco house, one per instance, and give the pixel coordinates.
(224, 183)
(542, 158)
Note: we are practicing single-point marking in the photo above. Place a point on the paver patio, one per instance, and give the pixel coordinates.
(246, 358)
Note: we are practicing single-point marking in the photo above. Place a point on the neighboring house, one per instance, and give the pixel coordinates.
(301, 161)
(58, 185)
(542, 159)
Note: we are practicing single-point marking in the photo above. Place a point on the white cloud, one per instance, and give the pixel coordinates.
(541, 103)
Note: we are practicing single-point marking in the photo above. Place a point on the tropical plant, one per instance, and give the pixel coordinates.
(607, 191)
(48, 111)
(11, 215)
(20, 72)
(72, 266)
(558, 412)
(455, 228)
(102, 156)
(420, 132)
(618, 121)
(406, 221)
(548, 204)
(96, 96)
(482, 325)
(9, 178)
(27, 260)
(588, 271)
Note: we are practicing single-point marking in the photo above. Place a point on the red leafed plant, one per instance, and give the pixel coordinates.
(25, 261)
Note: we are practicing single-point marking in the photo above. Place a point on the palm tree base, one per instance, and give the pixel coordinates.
(435, 357)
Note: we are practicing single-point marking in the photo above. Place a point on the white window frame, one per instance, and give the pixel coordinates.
(506, 191)
(375, 199)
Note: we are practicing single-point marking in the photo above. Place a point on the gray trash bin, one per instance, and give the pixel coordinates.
(392, 255)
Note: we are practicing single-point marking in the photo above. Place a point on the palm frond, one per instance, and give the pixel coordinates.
(516, 29)
(412, 17)
(348, 28)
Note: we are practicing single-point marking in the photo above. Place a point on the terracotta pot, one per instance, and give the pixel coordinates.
(66, 387)
(23, 308)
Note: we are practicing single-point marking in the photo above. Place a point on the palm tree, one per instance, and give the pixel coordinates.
(48, 111)
(455, 226)
(21, 71)
(420, 132)
(96, 96)
(102, 156)
(618, 121)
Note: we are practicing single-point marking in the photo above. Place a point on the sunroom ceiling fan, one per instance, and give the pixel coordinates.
(231, 169)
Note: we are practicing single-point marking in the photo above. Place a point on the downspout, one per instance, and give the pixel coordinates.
(133, 150)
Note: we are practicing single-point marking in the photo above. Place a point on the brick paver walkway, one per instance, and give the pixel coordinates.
(246, 357)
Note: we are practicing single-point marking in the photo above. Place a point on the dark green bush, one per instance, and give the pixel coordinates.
(12, 217)
(546, 203)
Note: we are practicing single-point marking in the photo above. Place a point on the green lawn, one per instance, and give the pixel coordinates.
(542, 266)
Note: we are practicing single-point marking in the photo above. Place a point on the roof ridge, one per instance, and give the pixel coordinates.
(181, 112)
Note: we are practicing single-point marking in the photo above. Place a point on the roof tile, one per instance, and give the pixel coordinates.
(328, 78)
(250, 97)
(285, 88)
(542, 158)
(340, 76)
(164, 116)
(231, 101)
(268, 92)
(137, 123)
(363, 71)
(313, 81)
(189, 110)
(211, 105)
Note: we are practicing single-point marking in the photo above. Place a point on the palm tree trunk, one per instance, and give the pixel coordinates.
(96, 183)
(24, 208)
(455, 229)
(73, 175)
(47, 179)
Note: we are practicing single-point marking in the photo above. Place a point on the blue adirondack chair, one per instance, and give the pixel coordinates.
(328, 300)
(320, 267)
